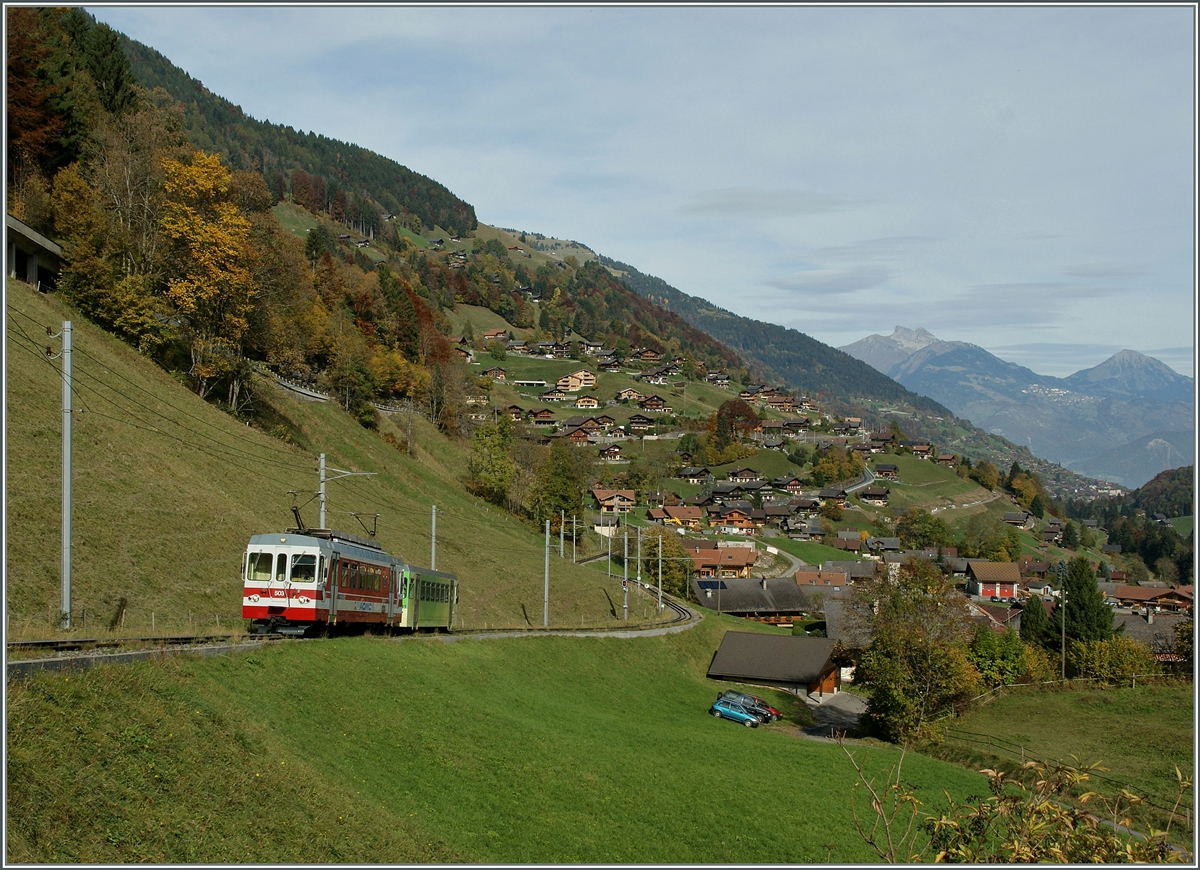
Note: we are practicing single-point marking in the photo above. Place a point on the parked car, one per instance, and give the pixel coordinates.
(754, 704)
(723, 708)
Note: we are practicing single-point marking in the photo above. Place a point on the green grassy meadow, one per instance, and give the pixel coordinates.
(1138, 734)
(167, 490)
(548, 750)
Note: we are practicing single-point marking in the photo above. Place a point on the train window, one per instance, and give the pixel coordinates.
(281, 568)
(354, 576)
(343, 574)
(378, 572)
(304, 568)
(258, 567)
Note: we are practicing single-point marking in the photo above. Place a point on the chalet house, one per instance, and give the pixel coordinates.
(822, 577)
(629, 394)
(589, 424)
(946, 459)
(742, 475)
(888, 471)
(986, 579)
(465, 353)
(780, 403)
(879, 546)
(640, 422)
(556, 395)
(517, 347)
(717, 379)
(610, 453)
(614, 501)
(924, 451)
(695, 475)
(1149, 596)
(654, 403)
(646, 355)
(806, 506)
(853, 424)
(858, 572)
(495, 334)
(575, 381)
(605, 421)
(789, 484)
(542, 417)
(725, 491)
(750, 394)
(517, 413)
(576, 436)
(790, 662)
(876, 495)
(587, 402)
(1052, 534)
(722, 561)
(496, 374)
(1019, 519)
(773, 515)
(793, 425)
(734, 521)
(801, 529)
(686, 516)
(833, 495)
(881, 441)
(536, 384)
(609, 364)
(592, 348)
(1032, 568)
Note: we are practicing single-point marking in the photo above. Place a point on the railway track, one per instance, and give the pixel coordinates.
(61, 654)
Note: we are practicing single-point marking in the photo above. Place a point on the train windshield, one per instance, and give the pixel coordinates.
(304, 568)
(258, 567)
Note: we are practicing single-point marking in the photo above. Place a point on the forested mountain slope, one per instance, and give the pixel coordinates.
(786, 355)
(215, 124)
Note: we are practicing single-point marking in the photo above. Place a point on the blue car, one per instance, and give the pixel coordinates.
(724, 708)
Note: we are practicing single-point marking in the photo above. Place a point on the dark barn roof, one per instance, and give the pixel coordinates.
(771, 657)
(747, 595)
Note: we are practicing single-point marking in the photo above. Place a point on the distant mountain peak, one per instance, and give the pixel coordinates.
(1128, 373)
(912, 339)
(883, 352)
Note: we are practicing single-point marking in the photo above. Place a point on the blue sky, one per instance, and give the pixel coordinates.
(1022, 178)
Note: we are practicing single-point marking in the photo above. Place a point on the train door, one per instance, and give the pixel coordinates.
(331, 585)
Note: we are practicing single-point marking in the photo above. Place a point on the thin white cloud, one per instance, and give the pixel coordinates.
(832, 281)
(757, 202)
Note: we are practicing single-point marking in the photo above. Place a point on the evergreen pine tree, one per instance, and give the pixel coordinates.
(1036, 627)
(1088, 615)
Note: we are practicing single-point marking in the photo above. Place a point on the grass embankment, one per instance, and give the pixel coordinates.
(371, 750)
(1139, 735)
(168, 489)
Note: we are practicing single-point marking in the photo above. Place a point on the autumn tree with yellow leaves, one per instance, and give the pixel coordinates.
(209, 281)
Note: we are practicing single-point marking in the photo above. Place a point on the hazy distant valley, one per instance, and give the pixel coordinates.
(1123, 420)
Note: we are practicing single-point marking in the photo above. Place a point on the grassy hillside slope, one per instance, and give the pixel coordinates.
(371, 750)
(167, 490)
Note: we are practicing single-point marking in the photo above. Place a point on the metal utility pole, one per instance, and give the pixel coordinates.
(625, 578)
(660, 543)
(546, 592)
(66, 468)
(1064, 629)
(574, 536)
(639, 558)
(562, 531)
(433, 542)
(340, 475)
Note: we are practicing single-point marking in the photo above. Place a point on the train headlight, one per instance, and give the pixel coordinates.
(254, 598)
(303, 599)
